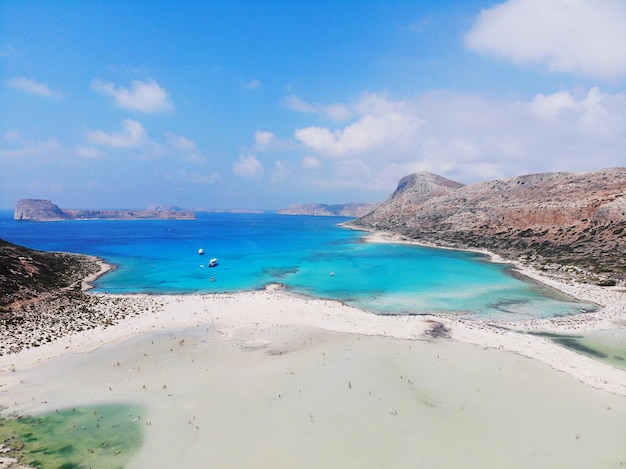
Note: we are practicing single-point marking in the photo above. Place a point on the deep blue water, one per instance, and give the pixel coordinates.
(311, 255)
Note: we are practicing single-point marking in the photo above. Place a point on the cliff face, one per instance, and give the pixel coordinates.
(44, 210)
(567, 218)
(37, 209)
(339, 210)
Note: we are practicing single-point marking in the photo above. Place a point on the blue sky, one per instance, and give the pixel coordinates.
(252, 104)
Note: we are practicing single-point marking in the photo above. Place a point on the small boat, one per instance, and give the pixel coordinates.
(201, 251)
(213, 262)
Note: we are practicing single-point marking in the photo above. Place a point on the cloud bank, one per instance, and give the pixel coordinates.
(466, 137)
(582, 37)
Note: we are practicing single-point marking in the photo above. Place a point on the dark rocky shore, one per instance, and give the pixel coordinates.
(42, 297)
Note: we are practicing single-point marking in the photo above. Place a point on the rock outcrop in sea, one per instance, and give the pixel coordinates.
(45, 210)
(576, 221)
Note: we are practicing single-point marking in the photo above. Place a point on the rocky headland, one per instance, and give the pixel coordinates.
(42, 297)
(569, 224)
(45, 210)
(353, 210)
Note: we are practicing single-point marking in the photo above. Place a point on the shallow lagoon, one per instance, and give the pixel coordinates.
(311, 255)
(607, 345)
(99, 437)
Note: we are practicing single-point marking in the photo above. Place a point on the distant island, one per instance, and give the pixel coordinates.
(353, 210)
(231, 210)
(45, 210)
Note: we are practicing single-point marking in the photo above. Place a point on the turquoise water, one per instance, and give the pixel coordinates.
(310, 255)
(103, 437)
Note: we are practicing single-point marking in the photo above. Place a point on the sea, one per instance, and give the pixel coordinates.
(309, 255)
(310, 398)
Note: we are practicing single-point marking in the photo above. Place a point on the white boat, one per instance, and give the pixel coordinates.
(200, 251)
(213, 262)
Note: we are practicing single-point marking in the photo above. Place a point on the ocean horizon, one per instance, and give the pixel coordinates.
(309, 255)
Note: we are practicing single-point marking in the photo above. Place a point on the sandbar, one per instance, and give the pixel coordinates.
(272, 379)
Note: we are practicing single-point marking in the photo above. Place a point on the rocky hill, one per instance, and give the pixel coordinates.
(569, 219)
(26, 274)
(353, 210)
(41, 297)
(45, 210)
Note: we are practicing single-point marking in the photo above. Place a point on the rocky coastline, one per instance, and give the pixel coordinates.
(43, 297)
(36, 318)
(566, 224)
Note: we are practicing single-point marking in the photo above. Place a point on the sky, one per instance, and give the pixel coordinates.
(246, 104)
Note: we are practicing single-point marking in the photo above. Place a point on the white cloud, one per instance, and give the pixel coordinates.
(132, 136)
(248, 166)
(549, 106)
(185, 147)
(585, 37)
(310, 162)
(296, 104)
(465, 137)
(381, 123)
(263, 138)
(142, 96)
(45, 149)
(88, 152)
(33, 87)
(336, 112)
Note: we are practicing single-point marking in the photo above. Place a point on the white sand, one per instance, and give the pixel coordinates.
(268, 379)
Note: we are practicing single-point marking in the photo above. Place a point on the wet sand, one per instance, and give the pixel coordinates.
(269, 379)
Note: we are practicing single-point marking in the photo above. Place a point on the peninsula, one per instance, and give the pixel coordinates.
(45, 210)
(570, 224)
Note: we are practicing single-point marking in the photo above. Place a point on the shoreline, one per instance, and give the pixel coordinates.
(610, 300)
(87, 283)
(274, 307)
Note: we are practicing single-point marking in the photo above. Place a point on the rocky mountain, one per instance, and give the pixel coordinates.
(572, 219)
(353, 210)
(45, 210)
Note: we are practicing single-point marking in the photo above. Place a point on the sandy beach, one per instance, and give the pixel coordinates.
(271, 379)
